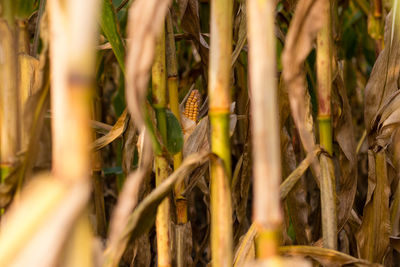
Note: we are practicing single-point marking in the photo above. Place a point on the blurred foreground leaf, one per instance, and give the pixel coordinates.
(142, 218)
(52, 207)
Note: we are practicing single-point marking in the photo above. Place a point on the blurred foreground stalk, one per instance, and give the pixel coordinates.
(159, 90)
(265, 126)
(9, 95)
(73, 30)
(324, 80)
(219, 109)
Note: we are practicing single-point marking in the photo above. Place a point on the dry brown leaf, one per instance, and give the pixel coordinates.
(395, 205)
(306, 22)
(381, 118)
(395, 243)
(385, 122)
(325, 256)
(141, 252)
(383, 80)
(245, 182)
(116, 131)
(344, 135)
(197, 139)
(292, 179)
(241, 30)
(283, 101)
(190, 23)
(128, 152)
(373, 235)
(197, 180)
(245, 250)
(235, 188)
(298, 207)
(143, 216)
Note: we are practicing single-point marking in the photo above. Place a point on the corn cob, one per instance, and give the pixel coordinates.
(192, 106)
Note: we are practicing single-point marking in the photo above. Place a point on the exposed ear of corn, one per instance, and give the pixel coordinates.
(192, 106)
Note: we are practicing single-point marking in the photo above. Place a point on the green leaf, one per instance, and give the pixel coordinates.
(24, 8)
(151, 126)
(110, 28)
(174, 134)
(112, 170)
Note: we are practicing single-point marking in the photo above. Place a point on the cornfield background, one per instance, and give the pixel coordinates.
(199, 133)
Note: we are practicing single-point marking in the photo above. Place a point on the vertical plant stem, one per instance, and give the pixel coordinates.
(72, 56)
(377, 8)
(163, 216)
(24, 74)
(265, 126)
(180, 200)
(97, 178)
(9, 96)
(72, 67)
(324, 82)
(159, 90)
(219, 104)
(172, 72)
(35, 45)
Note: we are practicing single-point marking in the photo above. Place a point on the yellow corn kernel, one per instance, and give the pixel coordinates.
(192, 105)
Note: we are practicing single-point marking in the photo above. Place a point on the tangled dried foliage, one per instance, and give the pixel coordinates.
(129, 137)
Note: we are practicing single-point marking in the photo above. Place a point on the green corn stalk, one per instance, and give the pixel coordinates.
(219, 112)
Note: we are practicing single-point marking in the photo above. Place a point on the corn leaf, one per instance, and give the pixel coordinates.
(110, 28)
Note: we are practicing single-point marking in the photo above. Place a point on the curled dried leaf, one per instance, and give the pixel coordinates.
(373, 235)
(143, 216)
(306, 22)
(146, 20)
(344, 135)
(324, 256)
(190, 23)
(116, 131)
(383, 81)
(52, 207)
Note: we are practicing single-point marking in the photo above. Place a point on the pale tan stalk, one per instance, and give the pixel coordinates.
(219, 108)
(159, 90)
(9, 98)
(72, 65)
(267, 213)
(324, 83)
(73, 31)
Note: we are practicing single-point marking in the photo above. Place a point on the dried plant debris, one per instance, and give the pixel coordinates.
(82, 127)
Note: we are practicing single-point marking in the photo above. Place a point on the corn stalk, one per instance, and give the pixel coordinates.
(172, 73)
(97, 178)
(159, 90)
(265, 126)
(72, 73)
(180, 200)
(9, 94)
(219, 107)
(324, 82)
